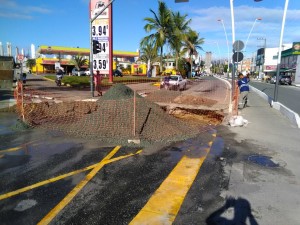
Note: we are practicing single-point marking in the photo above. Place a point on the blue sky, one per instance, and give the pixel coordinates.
(66, 22)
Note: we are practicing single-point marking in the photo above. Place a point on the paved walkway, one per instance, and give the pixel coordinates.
(274, 193)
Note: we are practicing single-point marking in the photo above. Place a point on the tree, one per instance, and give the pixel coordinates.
(160, 24)
(180, 27)
(149, 54)
(79, 61)
(192, 43)
(30, 63)
(202, 65)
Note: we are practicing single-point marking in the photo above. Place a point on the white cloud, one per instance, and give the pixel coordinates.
(14, 15)
(205, 22)
(11, 9)
(37, 9)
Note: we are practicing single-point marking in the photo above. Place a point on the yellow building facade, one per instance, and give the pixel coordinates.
(48, 56)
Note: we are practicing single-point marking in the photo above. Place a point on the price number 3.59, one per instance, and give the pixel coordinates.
(100, 64)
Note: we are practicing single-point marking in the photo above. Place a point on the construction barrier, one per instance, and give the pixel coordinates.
(137, 110)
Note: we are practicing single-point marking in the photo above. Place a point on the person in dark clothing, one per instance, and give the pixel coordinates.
(243, 83)
(59, 76)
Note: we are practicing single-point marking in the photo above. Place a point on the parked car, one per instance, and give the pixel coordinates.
(174, 82)
(80, 72)
(117, 73)
(272, 80)
(87, 72)
(283, 79)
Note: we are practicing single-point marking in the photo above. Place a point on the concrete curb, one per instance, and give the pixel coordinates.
(285, 111)
(230, 88)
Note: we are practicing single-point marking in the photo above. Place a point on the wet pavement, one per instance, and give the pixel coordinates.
(238, 171)
(39, 168)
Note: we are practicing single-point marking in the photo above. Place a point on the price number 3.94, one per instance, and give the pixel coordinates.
(100, 31)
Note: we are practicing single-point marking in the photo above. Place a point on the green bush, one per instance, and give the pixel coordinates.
(76, 81)
(84, 81)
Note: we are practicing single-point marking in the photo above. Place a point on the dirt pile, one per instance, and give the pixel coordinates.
(119, 115)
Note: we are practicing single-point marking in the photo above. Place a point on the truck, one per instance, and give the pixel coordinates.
(174, 82)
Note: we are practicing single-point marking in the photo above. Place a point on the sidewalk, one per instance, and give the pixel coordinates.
(274, 193)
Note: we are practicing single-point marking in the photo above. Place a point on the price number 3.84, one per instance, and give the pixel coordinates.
(100, 64)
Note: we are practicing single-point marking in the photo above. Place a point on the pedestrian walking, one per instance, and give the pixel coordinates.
(243, 83)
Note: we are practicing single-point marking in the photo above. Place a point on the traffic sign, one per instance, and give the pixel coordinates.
(237, 57)
(20, 57)
(238, 46)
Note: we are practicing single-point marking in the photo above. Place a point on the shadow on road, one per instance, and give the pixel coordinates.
(241, 212)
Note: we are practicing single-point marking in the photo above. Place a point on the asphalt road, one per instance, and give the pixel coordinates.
(49, 178)
(287, 95)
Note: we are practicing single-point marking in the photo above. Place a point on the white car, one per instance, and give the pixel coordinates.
(87, 72)
(76, 72)
(174, 82)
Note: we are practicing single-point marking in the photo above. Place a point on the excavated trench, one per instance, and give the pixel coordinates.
(200, 116)
(112, 116)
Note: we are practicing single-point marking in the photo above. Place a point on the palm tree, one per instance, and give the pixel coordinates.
(79, 61)
(192, 43)
(180, 28)
(149, 54)
(160, 24)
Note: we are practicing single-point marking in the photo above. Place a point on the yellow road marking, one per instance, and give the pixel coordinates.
(16, 148)
(11, 149)
(49, 217)
(165, 203)
(54, 179)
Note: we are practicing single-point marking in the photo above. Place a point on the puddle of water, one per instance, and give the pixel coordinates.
(262, 160)
(7, 120)
(25, 204)
(217, 147)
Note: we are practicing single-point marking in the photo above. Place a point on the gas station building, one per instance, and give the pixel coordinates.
(47, 56)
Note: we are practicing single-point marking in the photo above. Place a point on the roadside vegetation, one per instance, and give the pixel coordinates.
(170, 30)
(84, 81)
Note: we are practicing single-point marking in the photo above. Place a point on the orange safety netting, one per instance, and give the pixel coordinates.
(136, 110)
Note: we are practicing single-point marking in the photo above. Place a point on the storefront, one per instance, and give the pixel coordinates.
(290, 62)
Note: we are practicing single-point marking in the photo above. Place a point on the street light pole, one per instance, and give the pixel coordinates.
(251, 32)
(220, 20)
(279, 51)
(233, 40)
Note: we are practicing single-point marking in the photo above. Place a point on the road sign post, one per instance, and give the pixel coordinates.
(236, 58)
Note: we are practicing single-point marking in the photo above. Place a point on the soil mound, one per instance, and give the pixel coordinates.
(116, 117)
(120, 117)
(117, 92)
